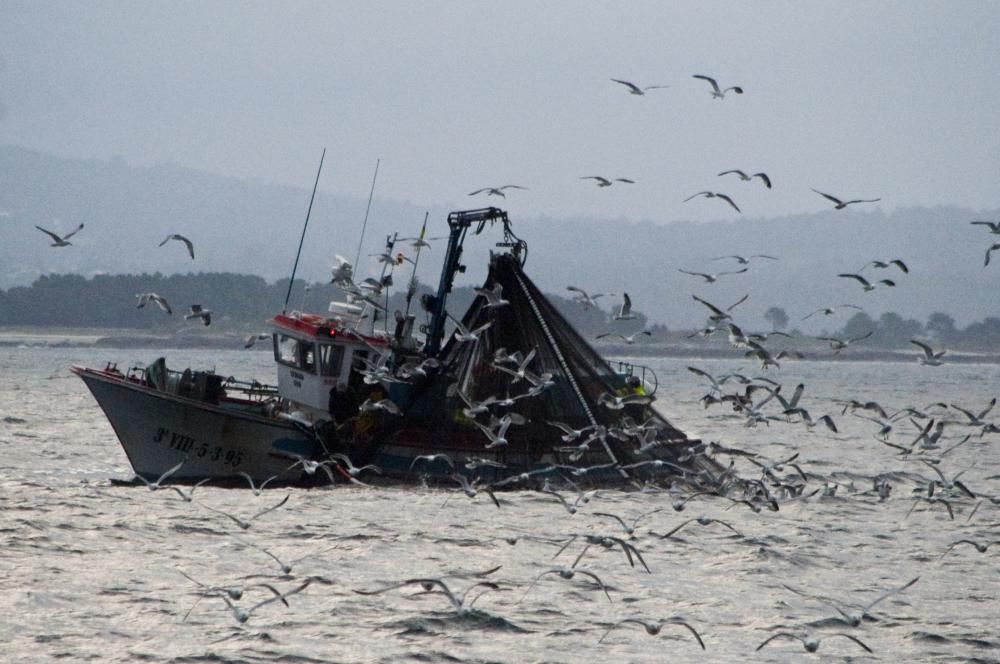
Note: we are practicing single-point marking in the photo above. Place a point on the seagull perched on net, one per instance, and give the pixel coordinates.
(61, 241)
(625, 311)
(712, 194)
(197, 311)
(635, 89)
(711, 278)
(868, 286)
(605, 182)
(717, 92)
(929, 358)
(161, 302)
(496, 191)
(746, 178)
(840, 205)
(180, 238)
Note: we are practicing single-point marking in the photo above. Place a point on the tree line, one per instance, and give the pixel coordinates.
(243, 302)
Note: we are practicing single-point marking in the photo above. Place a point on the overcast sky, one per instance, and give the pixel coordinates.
(897, 100)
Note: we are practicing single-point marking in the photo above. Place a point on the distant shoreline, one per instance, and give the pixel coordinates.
(117, 339)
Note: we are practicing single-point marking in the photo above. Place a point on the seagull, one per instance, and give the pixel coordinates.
(976, 419)
(712, 194)
(457, 599)
(417, 242)
(929, 358)
(653, 627)
(718, 93)
(719, 315)
(522, 368)
(353, 470)
(153, 486)
(618, 403)
(840, 344)
(744, 260)
(981, 547)
(994, 226)
(747, 178)
(629, 529)
(146, 298)
(198, 312)
(840, 205)
(463, 333)
(568, 573)
(629, 339)
(492, 296)
(989, 251)
(254, 338)
(245, 524)
(636, 90)
(497, 191)
(343, 272)
(471, 490)
(497, 430)
(701, 520)
(829, 311)
(859, 611)
(867, 284)
(811, 643)
(605, 182)
(188, 496)
(286, 568)
(625, 311)
(242, 615)
(809, 421)
(387, 405)
(712, 278)
(584, 298)
(431, 458)
(257, 490)
(884, 264)
(62, 241)
(180, 238)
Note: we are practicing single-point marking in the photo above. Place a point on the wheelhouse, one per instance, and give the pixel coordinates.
(314, 355)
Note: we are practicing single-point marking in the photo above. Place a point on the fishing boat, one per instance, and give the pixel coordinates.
(507, 394)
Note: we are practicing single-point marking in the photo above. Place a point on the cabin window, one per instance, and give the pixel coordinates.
(286, 351)
(308, 357)
(330, 359)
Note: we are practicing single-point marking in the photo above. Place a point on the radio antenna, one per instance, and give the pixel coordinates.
(302, 238)
(367, 210)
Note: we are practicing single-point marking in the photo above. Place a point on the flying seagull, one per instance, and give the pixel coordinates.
(197, 311)
(867, 284)
(993, 248)
(180, 238)
(840, 205)
(747, 178)
(497, 191)
(635, 89)
(885, 264)
(63, 241)
(930, 358)
(146, 298)
(744, 260)
(717, 92)
(829, 311)
(712, 194)
(605, 182)
(994, 226)
(586, 299)
(719, 315)
(625, 311)
(711, 278)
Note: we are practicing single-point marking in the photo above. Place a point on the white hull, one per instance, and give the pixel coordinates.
(158, 430)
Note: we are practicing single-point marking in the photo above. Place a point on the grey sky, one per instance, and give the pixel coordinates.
(896, 100)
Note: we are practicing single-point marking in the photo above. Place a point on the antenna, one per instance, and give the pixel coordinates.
(367, 209)
(411, 288)
(302, 238)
